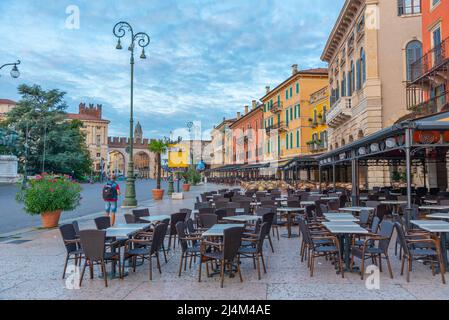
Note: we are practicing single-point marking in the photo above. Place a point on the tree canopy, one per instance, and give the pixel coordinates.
(42, 114)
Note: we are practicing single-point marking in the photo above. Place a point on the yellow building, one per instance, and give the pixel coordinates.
(319, 103)
(287, 111)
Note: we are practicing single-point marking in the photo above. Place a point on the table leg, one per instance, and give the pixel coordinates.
(289, 228)
(444, 249)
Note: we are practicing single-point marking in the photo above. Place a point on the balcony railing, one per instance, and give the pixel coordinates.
(431, 61)
(339, 113)
(281, 127)
(276, 108)
(424, 107)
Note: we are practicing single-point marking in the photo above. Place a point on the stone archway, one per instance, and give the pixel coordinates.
(142, 165)
(117, 163)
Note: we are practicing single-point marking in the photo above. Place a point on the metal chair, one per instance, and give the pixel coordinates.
(72, 245)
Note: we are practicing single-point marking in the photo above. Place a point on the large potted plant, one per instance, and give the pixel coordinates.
(48, 196)
(186, 184)
(159, 147)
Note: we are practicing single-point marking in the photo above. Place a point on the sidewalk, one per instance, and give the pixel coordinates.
(31, 268)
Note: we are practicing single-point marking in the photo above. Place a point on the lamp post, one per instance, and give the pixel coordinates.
(14, 71)
(142, 40)
(189, 128)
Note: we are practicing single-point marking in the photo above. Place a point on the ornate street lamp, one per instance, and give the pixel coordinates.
(142, 40)
(14, 71)
(189, 128)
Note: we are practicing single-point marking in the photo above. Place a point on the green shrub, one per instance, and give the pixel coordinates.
(193, 176)
(50, 193)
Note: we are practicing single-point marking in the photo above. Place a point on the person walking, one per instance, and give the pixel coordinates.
(111, 192)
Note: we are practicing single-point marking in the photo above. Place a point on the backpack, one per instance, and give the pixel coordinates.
(109, 191)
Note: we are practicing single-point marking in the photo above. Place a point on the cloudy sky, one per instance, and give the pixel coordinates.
(207, 59)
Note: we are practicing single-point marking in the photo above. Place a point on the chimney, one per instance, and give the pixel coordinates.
(254, 105)
(246, 109)
(267, 88)
(294, 69)
(238, 115)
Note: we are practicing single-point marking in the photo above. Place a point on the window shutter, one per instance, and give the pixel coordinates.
(359, 78)
(400, 7)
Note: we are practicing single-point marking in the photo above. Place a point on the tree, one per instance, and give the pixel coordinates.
(42, 114)
(159, 147)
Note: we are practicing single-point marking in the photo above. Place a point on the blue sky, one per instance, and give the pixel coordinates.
(207, 59)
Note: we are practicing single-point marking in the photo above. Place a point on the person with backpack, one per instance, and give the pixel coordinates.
(111, 191)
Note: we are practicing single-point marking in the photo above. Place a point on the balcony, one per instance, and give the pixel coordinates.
(281, 127)
(276, 108)
(431, 64)
(423, 107)
(339, 113)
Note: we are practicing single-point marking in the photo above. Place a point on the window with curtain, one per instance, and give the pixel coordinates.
(363, 64)
(407, 7)
(413, 53)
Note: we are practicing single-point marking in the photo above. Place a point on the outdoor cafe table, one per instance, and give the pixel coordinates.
(217, 230)
(434, 208)
(330, 198)
(244, 218)
(356, 209)
(438, 216)
(237, 211)
(289, 212)
(344, 232)
(307, 203)
(154, 219)
(436, 226)
(430, 201)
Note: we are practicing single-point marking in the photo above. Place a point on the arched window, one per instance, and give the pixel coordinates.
(363, 64)
(413, 53)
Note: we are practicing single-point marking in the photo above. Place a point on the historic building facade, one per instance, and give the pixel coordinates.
(217, 147)
(287, 112)
(428, 78)
(247, 135)
(368, 70)
(6, 105)
(96, 130)
(319, 103)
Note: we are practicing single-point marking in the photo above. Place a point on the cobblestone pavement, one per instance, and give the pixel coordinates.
(33, 270)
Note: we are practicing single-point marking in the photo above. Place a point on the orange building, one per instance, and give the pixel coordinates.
(428, 87)
(247, 135)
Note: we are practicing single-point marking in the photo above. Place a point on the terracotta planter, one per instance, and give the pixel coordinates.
(50, 219)
(186, 187)
(158, 194)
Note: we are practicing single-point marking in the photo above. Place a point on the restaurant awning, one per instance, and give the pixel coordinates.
(389, 144)
(406, 143)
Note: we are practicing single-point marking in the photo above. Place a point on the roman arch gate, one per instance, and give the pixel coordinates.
(118, 156)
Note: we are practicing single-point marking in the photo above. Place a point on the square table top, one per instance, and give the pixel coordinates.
(355, 229)
(218, 229)
(356, 209)
(431, 201)
(340, 223)
(436, 226)
(337, 214)
(438, 216)
(288, 209)
(305, 203)
(153, 219)
(434, 207)
(393, 202)
(330, 198)
(243, 218)
(131, 226)
(121, 232)
(345, 218)
(429, 222)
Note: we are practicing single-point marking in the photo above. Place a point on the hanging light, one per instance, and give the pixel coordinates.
(119, 45)
(143, 56)
(15, 72)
